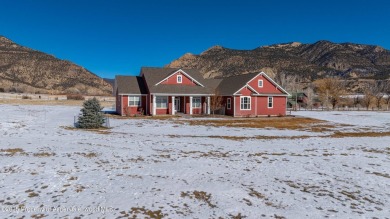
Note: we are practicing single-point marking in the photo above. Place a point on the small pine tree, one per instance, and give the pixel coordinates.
(91, 116)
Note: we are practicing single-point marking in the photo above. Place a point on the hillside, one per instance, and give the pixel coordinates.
(26, 70)
(309, 61)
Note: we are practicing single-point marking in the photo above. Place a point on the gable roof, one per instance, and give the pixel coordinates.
(155, 75)
(232, 84)
(183, 72)
(130, 85)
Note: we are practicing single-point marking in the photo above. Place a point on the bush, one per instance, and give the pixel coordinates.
(75, 97)
(91, 116)
(25, 97)
(2, 90)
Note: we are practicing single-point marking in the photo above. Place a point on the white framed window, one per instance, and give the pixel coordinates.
(161, 102)
(134, 101)
(260, 83)
(245, 103)
(229, 103)
(196, 102)
(270, 102)
(179, 79)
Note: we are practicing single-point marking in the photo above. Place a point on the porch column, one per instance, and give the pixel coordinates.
(173, 105)
(190, 105)
(208, 105)
(154, 106)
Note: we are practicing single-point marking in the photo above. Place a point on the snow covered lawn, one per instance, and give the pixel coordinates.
(169, 169)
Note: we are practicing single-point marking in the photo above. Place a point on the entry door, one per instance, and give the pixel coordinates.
(177, 104)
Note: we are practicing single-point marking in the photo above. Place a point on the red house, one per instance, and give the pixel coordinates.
(158, 91)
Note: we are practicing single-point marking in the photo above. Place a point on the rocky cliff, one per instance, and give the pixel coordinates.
(26, 70)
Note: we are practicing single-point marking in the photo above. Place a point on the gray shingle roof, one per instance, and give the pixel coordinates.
(230, 85)
(130, 85)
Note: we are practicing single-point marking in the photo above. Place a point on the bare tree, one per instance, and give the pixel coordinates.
(369, 97)
(387, 92)
(378, 90)
(310, 96)
(330, 90)
(216, 102)
(288, 82)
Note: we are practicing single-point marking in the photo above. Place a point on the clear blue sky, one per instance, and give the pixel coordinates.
(111, 37)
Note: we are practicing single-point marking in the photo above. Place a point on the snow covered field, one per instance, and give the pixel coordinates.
(165, 168)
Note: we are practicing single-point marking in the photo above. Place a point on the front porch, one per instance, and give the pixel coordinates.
(172, 104)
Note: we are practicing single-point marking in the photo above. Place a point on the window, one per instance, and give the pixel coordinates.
(260, 83)
(245, 103)
(196, 102)
(134, 101)
(161, 102)
(179, 79)
(270, 102)
(229, 103)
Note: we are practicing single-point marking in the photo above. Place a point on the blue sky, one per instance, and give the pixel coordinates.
(111, 37)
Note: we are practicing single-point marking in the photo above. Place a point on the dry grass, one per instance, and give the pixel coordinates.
(13, 151)
(87, 155)
(101, 130)
(146, 212)
(291, 123)
(158, 117)
(50, 102)
(358, 134)
(43, 154)
(200, 196)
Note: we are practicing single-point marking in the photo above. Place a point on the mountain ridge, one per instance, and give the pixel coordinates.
(310, 61)
(23, 69)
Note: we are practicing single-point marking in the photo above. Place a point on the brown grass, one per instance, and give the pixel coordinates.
(50, 102)
(12, 151)
(358, 134)
(199, 195)
(148, 213)
(87, 155)
(43, 154)
(292, 123)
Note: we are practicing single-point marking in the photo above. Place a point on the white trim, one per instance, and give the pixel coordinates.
(154, 106)
(173, 105)
(208, 105)
(183, 95)
(128, 101)
(184, 73)
(274, 95)
(229, 103)
(246, 85)
(190, 105)
(200, 102)
(250, 102)
(181, 79)
(234, 106)
(272, 81)
(166, 97)
(134, 94)
(262, 83)
(272, 98)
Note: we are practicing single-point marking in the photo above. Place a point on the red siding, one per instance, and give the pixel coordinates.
(279, 106)
(173, 80)
(224, 103)
(132, 110)
(268, 87)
